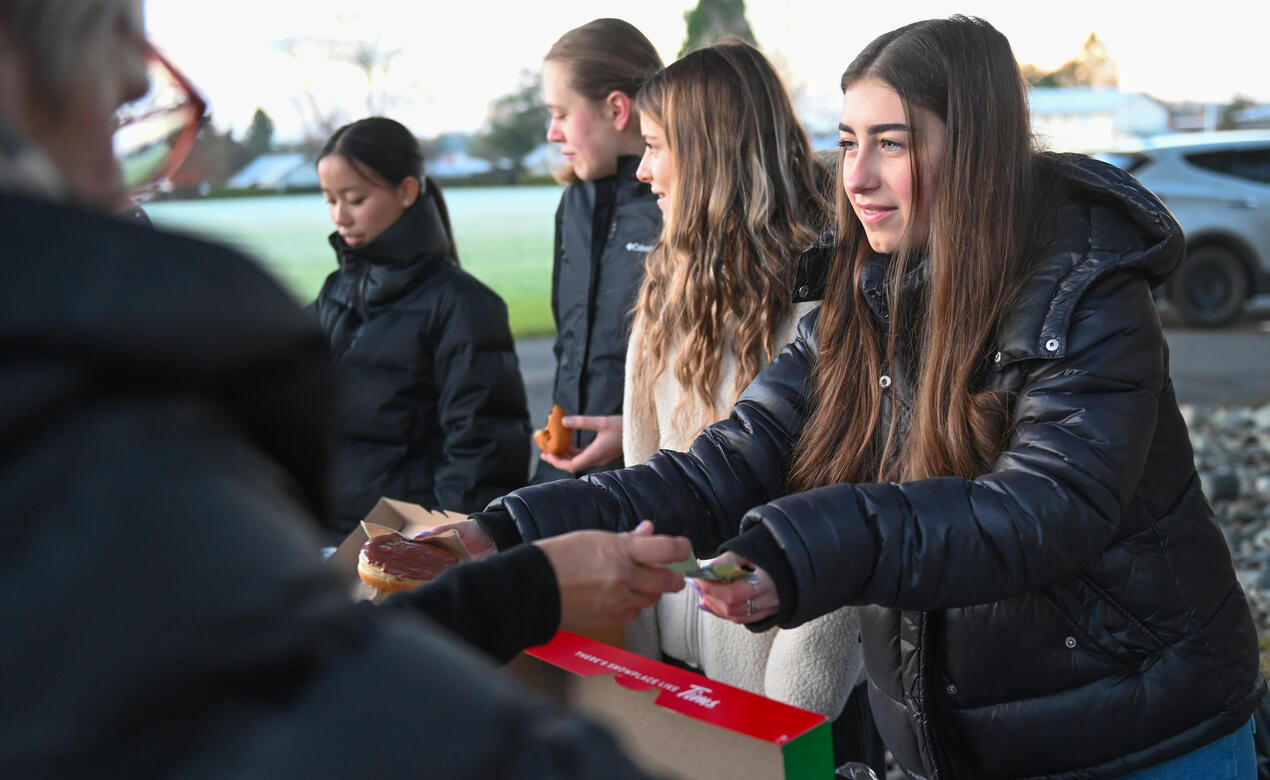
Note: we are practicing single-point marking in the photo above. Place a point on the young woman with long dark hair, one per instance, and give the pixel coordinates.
(976, 439)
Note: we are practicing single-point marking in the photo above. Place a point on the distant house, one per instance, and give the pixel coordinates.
(544, 160)
(456, 165)
(284, 171)
(1081, 119)
(1252, 118)
(1189, 117)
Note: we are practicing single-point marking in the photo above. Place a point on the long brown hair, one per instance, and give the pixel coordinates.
(747, 200)
(604, 56)
(989, 218)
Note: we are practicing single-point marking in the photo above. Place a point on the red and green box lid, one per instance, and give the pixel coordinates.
(699, 697)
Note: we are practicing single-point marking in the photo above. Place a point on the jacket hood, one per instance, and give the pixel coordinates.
(1127, 218)
(398, 259)
(92, 304)
(1108, 223)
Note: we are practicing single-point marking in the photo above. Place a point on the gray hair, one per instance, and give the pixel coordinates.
(56, 39)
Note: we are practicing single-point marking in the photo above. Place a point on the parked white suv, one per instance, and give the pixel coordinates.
(1217, 185)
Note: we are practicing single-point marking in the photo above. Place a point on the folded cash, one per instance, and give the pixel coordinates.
(724, 571)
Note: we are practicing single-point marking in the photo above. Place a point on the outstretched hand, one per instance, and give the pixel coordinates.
(607, 579)
(606, 448)
(746, 600)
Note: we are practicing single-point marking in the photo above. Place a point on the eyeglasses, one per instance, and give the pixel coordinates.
(156, 132)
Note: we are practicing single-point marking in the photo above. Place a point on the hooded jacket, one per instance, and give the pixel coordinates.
(1072, 613)
(432, 405)
(604, 231)
(163, 424)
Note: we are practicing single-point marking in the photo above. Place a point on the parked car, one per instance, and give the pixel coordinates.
(1217, 185)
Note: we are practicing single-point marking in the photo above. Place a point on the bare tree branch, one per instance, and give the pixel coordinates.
(369, 57)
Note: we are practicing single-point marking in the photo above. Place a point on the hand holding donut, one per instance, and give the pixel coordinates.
(556, 437)
(605, 448)
(478, 544)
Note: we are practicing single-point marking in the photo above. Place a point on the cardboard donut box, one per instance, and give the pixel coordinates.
(670, 721)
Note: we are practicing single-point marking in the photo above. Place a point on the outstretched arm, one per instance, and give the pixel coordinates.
(578, 581)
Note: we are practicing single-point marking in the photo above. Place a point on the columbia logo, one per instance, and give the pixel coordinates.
(635, 246)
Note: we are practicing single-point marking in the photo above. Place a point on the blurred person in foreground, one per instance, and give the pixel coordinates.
(164, 427)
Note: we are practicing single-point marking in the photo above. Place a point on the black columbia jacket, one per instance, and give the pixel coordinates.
(604, 230)
(165, 612)
(432, 406)
(1074, 612)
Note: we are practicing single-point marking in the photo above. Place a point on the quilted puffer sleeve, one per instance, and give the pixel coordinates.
(480, 401)
(1053, 502)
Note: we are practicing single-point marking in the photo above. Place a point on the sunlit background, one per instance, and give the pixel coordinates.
(282, 75)
(454, 58)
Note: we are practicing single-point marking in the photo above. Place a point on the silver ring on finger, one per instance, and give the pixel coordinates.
(751, 607)
(752, 579)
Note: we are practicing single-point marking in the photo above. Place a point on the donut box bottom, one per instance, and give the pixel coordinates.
(673, 722)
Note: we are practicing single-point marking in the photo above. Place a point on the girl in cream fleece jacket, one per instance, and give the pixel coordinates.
(739, 189)
(813, 666)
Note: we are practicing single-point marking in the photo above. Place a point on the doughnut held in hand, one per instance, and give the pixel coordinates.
(391, 562)
(555, 438)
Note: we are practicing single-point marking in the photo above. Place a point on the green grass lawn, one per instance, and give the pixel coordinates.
(504, 236)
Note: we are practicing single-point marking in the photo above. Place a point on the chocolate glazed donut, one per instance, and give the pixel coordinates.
(391, 562)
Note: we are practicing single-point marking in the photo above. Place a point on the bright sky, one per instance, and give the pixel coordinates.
(457, 56)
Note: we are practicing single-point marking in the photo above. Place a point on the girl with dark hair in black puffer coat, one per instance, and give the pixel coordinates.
(432, 405)
(974, 440)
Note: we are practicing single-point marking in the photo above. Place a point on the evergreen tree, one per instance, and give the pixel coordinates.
(1093, 67)
(259, 137)
(517, 125)
(712, 20)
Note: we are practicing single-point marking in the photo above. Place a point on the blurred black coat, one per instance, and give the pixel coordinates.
(165, 612)
(431, 405)
(1074, 612)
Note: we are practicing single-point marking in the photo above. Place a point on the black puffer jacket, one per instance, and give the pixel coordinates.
(432, 405)
(604, 230)
(1072, 613)
(163, 410)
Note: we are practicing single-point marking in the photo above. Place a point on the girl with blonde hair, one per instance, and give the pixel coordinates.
(740, 190)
